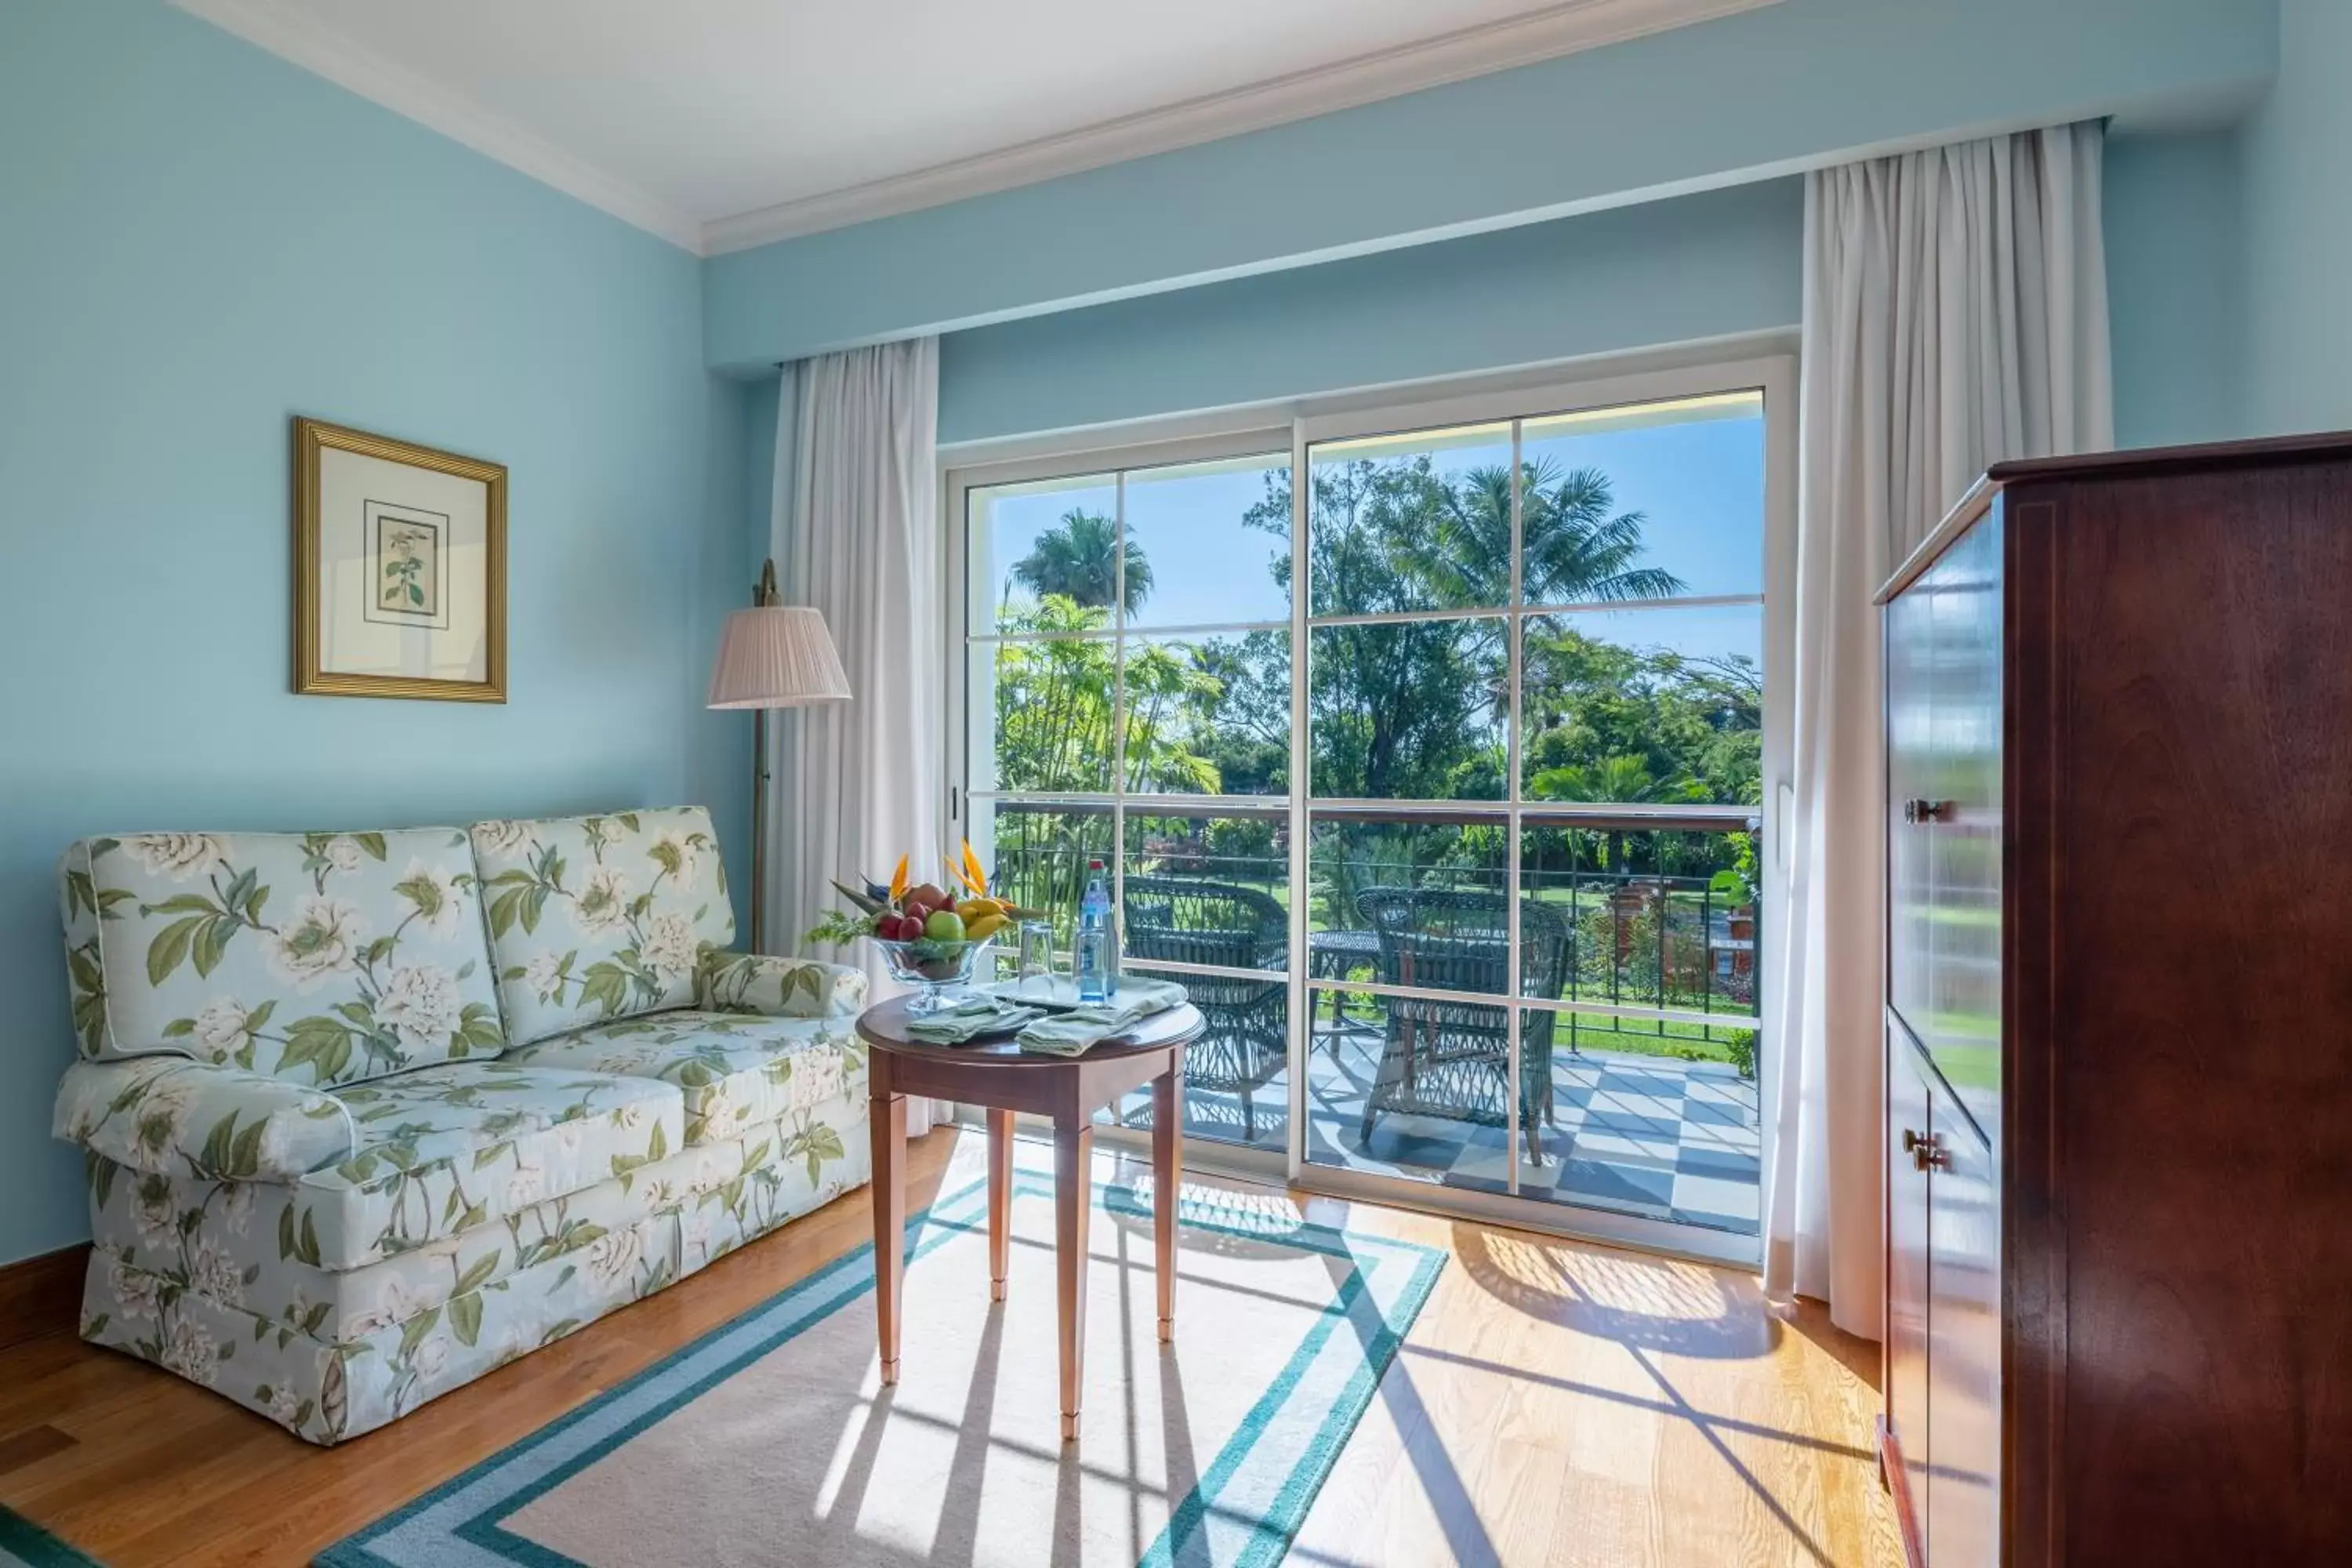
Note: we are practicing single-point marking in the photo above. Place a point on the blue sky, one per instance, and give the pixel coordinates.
(1698, 481)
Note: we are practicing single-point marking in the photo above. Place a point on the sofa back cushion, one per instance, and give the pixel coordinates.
(324, 958)
(600, 917)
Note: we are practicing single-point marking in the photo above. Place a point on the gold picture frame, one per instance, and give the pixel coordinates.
(400, 569)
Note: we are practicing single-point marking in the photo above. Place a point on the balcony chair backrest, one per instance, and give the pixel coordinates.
(1450, 939)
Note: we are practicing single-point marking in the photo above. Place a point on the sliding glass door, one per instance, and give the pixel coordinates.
(1127, 699)
(1438, 777)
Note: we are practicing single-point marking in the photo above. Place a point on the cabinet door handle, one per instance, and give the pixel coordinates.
(1920, 812)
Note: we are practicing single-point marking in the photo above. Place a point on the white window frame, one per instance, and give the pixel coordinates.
(1764, 364)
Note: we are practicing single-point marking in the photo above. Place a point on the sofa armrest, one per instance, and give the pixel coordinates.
(779, 987)
(170, 1117)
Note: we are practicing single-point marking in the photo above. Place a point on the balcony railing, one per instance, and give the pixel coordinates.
(1659, 917)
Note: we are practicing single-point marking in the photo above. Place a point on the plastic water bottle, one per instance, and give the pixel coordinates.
(1095, 964)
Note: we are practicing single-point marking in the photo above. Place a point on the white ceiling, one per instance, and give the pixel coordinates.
(721, 123)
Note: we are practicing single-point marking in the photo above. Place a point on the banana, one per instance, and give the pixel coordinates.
(978, 928)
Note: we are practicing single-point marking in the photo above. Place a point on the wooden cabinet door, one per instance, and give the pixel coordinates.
(1908, 1111)
(1963, 1501)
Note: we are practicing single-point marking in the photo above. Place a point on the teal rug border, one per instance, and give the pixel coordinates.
(933, 1227)
(22, 1541)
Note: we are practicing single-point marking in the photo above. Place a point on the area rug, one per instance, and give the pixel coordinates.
(771, 1441)
(24, 1544)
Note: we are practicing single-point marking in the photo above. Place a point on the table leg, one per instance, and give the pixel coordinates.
(999, 1202)
(887, 1113)
(1166, 1177)
(1073, 1152)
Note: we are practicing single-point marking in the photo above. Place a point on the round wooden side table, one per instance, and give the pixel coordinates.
(997, 1074)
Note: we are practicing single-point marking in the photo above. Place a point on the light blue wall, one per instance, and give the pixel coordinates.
(2298, 227)
(1796, 84)
(1695, 267)
(2177, 287)
(197, 241)
(1664, 272)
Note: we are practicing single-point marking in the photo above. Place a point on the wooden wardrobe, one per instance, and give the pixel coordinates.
(2118, 710)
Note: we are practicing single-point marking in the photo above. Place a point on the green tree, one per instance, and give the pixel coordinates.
(1077, 559)
(1056, 706)
(1692, 725)
(1577, 547)
(1417, 709)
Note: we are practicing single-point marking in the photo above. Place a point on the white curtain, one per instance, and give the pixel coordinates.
(856, 535)
(1956, 315)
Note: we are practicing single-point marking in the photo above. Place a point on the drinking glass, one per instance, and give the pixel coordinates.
(1037, 957)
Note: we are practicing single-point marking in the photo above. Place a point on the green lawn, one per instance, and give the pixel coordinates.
(1632, 1037)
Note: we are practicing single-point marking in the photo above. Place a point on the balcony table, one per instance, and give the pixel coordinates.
(995, 1073)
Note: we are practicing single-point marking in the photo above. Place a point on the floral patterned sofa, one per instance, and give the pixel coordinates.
(366, 1115)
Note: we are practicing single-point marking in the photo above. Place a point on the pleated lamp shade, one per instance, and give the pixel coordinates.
(776, 656)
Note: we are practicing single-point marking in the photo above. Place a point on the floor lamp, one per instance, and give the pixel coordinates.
(771, 656)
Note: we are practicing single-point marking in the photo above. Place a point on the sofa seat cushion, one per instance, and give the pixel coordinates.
(170, 1117)
(239, 1244)
(734, 1070)
(442, 1150)
(322, 958)
(595, 918)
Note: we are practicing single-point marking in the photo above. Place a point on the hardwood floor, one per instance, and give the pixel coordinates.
(1556, 1403)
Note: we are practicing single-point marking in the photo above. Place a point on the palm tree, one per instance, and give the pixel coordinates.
(1077, 557)
(1576, 552)
(1578, 548)
(1615, 780)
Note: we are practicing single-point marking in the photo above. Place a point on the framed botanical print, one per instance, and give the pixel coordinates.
(400, 569)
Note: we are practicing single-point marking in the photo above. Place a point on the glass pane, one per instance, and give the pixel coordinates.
(1236, 1075)
(1040, 715)
(1036, 855)
(1028, 544)
(1640, 917)
(1409, 901)
(1670, 1134)
(1208, 715)
(1410, 711)
(1651, 501)
(1411, 1088)
(1419, 521)
(1650, 706)
(1209, 543)
(1239, 864)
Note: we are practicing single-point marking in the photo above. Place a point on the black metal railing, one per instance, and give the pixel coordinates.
(1661, 908)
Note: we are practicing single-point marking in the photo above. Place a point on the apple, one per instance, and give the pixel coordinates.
(928, 895)
(944, 925)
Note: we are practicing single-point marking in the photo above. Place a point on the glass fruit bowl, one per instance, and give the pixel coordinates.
(936, 969)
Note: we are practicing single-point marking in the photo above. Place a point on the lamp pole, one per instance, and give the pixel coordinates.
(763, 594)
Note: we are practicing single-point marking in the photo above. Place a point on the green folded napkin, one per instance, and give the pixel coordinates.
(1073, 1032)
(967, 1020)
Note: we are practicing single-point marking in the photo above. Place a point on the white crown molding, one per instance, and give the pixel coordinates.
(1566, 28)
(363, 71)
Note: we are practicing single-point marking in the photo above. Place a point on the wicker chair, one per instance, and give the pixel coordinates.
(1452, 1059)
(1246, 1040)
